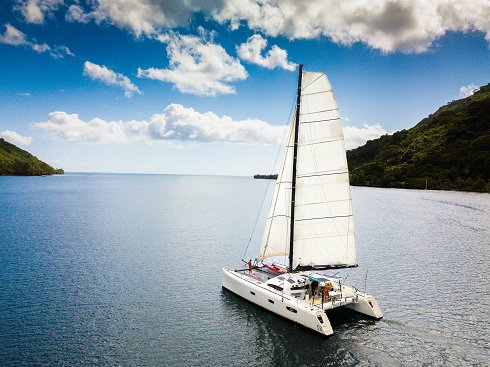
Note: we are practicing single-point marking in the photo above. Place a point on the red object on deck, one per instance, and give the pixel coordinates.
(249, 273)
(274, 269)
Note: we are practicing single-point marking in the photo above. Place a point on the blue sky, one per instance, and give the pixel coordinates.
(206, 87)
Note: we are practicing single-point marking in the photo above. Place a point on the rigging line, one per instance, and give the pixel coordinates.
(324, 120)
(310, 113)
(323, 91)
(323, 202)
(317, 142)
(326, 173)
(312, 82)
(318, 218)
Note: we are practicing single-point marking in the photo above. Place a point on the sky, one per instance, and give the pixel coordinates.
(207, 87)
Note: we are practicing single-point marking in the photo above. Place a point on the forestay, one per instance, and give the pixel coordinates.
(324, 226)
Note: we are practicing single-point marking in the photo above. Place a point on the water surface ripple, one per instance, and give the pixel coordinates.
(124, 270)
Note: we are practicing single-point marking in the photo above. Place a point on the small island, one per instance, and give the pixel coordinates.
(266, 177)
(18, 162)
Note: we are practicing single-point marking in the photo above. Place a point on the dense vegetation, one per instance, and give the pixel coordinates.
(450, 149)
(17, 162)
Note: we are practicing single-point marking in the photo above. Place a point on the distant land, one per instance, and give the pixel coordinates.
(18, 162)
(450, 149)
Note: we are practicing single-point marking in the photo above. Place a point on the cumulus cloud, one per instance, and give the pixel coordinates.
(467, 90)
(72, 129)
(180, 123)
(76, 13)
(15, 138)
(387, 25)
(34, 11)
(110, 77)
(276, 57)
(144, 16)
(197, 65)
(357, 136)
(175, 123)
(12, 36)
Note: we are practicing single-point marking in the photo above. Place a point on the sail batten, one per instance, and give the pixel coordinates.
(323, 224)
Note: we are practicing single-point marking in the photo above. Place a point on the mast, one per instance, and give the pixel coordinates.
(295, 158)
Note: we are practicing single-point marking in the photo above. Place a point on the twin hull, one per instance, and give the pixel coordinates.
(302, 312)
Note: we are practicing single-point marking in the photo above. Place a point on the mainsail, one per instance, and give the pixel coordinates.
(323, 221)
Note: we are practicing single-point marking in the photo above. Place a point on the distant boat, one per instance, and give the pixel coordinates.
(266, 177)
(310, 221)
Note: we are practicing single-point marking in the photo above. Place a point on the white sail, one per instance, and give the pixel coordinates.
(275, 241)
(323, 225)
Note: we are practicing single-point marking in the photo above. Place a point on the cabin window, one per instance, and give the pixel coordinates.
(320, 318)
(291, 309)
(280, 278)
(370, 304)
(252, 293)
(271, 301)
(298, 287)
(276, 287)
(291, 281)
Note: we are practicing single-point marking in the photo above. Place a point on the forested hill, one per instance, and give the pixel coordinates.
(450, 149)
(17, 162)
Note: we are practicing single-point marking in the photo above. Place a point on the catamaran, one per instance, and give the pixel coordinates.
(310, 221)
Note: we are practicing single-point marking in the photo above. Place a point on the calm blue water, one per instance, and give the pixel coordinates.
(124, 270)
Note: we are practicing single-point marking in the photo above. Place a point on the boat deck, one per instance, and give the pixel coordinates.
(259, 273)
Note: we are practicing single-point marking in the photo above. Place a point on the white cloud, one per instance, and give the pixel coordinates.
(72, 129)
(15, 138)
(12, 36)
(110, 77)
(197, 65)
(58, 52)
(357, 136)
(40, 47)
(34, 11)
(175, 123)
(183, 124)
(24, 94)
(144, 16)
(76, 13)
(467, 90)
(180, 123)
(276, 57)
(387, 25)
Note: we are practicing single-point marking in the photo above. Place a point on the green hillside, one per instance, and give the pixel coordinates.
(17, 162)
(450, 149)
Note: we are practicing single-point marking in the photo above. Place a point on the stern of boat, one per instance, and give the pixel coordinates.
(366, 305)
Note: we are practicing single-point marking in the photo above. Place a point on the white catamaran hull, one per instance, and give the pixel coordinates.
(307, 313)
(310, 220)
(274, 301)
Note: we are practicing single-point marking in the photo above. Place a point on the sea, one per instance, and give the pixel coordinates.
(125, 270)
